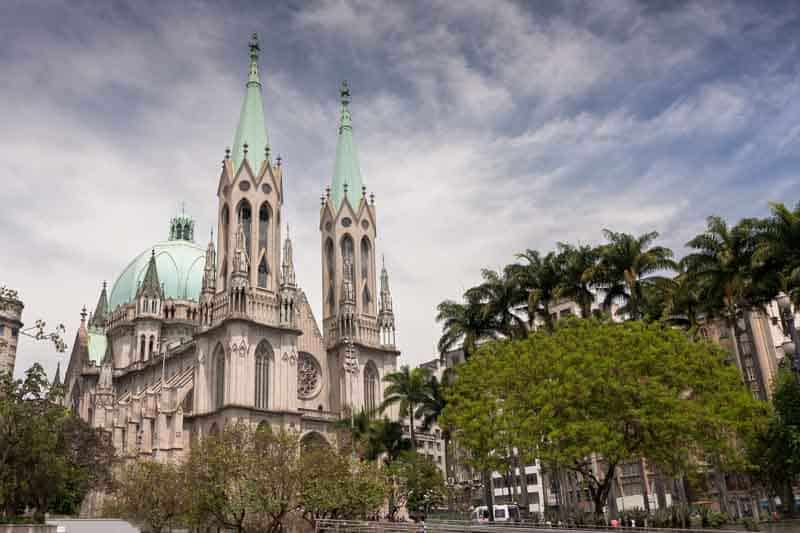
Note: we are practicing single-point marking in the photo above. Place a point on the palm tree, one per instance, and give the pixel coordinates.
(408, 388)
(539, 278)
(386, 436)
(576, 264)
(778, 248)
(722, 265)
(465, 324)
(432, 406)
(357, 427)
(500, 293)
(627, 264)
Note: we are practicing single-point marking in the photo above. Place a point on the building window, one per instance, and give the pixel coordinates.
(263, 227)
(219, 396)
(263, 357)
(329, 262)
(534, 498)
(245, 218)
(347, 252)
(532, 479)
(370, 387)
(262, 273)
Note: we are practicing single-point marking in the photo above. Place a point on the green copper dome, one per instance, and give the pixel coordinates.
(180, 265)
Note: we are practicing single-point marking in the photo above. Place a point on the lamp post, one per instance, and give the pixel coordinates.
(787, 318)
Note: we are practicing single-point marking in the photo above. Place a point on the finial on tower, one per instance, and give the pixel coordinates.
(244, 149)
(344, 93)
(266, 152)
(278, 160)
(83, 314)
(227, 152)
(363, 191)
(327, 192)
(254, 46)
(372, 198)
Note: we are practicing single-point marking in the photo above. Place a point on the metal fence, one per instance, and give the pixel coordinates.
(456, 526)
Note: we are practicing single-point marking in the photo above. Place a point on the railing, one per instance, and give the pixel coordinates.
(457, 526)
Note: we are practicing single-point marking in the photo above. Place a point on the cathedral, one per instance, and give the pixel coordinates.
(192, 337)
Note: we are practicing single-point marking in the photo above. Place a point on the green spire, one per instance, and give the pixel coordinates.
(252, 130)
(347, 172)
(100, 316)
(150, 285)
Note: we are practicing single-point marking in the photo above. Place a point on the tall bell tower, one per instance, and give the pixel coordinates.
(359, 353)
(250, 194)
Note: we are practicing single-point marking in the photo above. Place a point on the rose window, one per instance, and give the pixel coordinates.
(308, 375)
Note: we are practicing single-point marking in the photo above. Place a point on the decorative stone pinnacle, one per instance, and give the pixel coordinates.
(344, 93)
(345, 189)
(228, 152)
(254, 46)
(266, 152)
(83, 314)
(327, 192)
(244, 148)
(372, 198)
(279, 159)
(363, 190)
(322, 199)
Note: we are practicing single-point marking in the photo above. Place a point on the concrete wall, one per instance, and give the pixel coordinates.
(27, 528)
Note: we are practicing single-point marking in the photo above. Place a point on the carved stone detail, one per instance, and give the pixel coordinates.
(308, 376)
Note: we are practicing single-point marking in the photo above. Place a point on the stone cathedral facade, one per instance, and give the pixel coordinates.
(192, 337)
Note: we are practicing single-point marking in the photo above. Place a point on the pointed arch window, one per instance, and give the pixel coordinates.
(244, 216)
(366, 300)
(347, 255)
(263, 227)
(263, 358)
(263, 273)
(141, 348)
(224, 218)
(366, 265)
(329, 262)
(219, 377)
(150, 347)
(370, 387)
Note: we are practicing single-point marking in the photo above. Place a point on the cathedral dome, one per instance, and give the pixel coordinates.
(180, 263)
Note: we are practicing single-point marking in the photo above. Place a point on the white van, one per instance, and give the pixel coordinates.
(502, 513)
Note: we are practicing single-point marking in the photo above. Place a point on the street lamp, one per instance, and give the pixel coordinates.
(787, 318)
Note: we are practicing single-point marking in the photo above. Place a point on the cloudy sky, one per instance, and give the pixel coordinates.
(483, 128)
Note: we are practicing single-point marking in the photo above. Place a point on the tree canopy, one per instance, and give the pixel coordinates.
(599, 391)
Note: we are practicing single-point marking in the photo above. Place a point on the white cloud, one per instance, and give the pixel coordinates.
(483, 129)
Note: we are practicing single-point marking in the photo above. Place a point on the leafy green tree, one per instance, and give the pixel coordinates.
(627, 265)
(576, 264)
(775, 451)
(48, 458)
(465, 324)
(605, 391)
(244, 479)
(539, 277)
(333, 486)
(407, 388)
(150, 494)
(417, 484)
